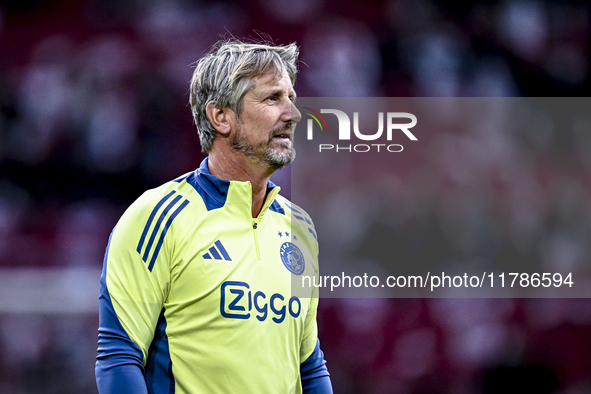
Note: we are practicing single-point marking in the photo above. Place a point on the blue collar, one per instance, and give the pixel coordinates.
(214, 190)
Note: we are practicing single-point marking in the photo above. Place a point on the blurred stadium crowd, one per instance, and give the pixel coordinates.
(93, 111)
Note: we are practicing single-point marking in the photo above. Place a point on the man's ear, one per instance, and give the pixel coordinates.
(221, 119)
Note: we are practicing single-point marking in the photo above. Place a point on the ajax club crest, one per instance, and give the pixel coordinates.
(292, 258)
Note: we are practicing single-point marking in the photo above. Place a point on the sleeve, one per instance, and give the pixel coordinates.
(314, 374)
(310, 335)
(132, 294)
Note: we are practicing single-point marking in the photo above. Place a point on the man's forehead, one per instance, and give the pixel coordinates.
(272, 80)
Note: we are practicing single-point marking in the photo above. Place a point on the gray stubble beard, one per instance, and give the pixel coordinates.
(270, 156)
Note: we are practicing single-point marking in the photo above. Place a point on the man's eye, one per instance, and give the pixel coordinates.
(272, 98)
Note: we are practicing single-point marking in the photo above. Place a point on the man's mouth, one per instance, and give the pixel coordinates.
(283, 136)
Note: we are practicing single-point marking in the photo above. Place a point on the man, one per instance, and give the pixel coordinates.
(196, 284)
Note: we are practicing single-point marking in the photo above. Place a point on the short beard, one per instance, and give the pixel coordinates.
(270, 157)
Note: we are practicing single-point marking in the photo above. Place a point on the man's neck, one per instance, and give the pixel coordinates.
(237, 167)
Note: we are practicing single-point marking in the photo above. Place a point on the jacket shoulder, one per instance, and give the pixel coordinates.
(298, 215)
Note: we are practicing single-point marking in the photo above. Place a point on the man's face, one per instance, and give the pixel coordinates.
(267, 123)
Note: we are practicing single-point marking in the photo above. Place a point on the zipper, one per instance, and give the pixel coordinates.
(255, 221)
(255, 225)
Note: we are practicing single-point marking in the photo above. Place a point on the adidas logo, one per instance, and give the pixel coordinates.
(217, 252)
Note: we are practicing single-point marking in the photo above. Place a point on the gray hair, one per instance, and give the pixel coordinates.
(225, 74)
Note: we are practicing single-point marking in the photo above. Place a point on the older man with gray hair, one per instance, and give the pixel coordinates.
(196, 285)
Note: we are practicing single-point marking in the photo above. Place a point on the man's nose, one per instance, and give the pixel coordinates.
(296, 115)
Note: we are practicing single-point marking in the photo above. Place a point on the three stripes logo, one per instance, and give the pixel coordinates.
(217, 252)
(303, 217)
(158, 231)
